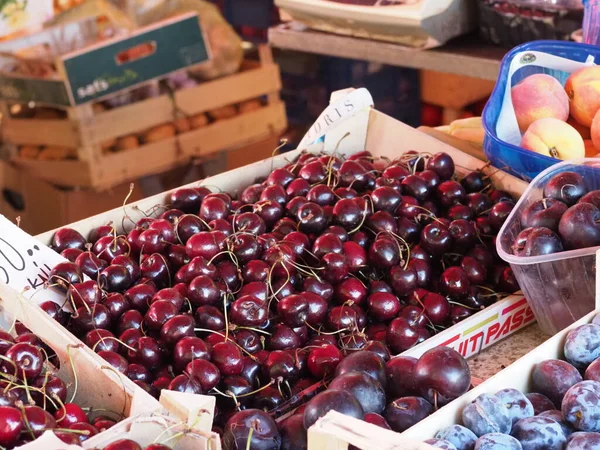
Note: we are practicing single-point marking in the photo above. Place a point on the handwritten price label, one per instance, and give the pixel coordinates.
(25, 263)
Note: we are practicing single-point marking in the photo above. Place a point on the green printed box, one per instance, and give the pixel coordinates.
(97, 71)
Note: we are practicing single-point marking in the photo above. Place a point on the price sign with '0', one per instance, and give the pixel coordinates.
(25, 263)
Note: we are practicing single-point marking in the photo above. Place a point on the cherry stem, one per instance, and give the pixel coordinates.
(75, 378)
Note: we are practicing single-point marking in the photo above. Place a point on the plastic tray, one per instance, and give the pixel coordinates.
(560, 288)
(511, 158)
(509, 23)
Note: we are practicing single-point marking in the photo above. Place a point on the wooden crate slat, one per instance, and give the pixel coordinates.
(57, 132)
(134, 163)
(130, 119)
(234, 132)
(137, 117)
(61, 173)
(232, 89)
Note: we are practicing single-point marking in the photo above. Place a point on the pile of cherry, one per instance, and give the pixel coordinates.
(257, 297)
(562, 412)
(33, 399)
(566, 218)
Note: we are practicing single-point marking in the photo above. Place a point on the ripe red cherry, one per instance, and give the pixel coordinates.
(455, 282)
(156, 269)
(65, 274)
(27, 359)
(323, 360)
(402, 335)
(177, 328)
(158, 314)
(101, 340)
(351, 290)
(293, 310)
(109, 247)
(383, 306)
(203, 291)
(205, 244)
(67, 238)
(228, 358)
(38, 420)
(188, 199)
(10, 425)
(70, 414)
(205, 372)
(442, 164)
(115, 360)
(89, 430)
(123, 444)
(71, 253)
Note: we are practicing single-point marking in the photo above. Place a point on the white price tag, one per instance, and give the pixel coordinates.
(25, 263)
(357, 101)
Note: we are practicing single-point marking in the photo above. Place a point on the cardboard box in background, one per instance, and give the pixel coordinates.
(42, 206)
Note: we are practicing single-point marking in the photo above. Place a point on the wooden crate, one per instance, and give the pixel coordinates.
(87, 130)
(42, 206)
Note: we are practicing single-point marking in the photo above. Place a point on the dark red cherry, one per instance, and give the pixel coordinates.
(455, 282)
(188, 225)
(450, 193)
(140, 296)
(188, 199)
(156, 269)
(66, 238)
(115, 360)
(205, 372)
(65, 274)
(89, 318)
(71, 254)
(442, 164)
(27, 360)
(228, 358)
(115, 278)
(109, 247)
(177, 328)
(159, 312)
(102, 340)
(86, 293)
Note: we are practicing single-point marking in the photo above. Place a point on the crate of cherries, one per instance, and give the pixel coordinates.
(34, 398)
(258, 297)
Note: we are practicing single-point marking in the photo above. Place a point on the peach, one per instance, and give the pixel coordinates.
(583, 89)
(595, 131)
(539, 96)
(583, 130)
(590, 148)
(555, 138)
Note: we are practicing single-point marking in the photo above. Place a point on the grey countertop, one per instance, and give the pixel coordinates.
(493, 359)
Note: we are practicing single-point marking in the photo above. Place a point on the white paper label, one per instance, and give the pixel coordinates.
(25, 263)
(336, 113)
(507, 127)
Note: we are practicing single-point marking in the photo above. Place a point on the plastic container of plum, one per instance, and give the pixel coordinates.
(561, 287)
(501, 146)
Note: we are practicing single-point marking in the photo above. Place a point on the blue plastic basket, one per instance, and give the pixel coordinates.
(511, 158)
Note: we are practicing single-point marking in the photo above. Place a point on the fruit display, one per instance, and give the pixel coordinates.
(565, 218)
(556, 121)
(34, 398)
(324, 267)
(557, 411)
